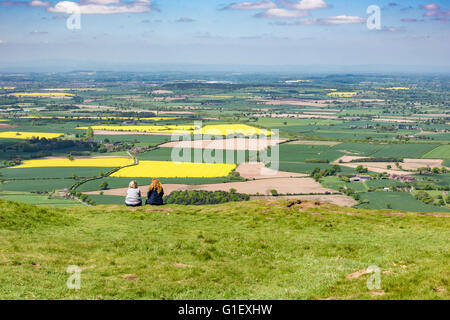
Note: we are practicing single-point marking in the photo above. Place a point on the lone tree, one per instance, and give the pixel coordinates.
(89, 133)
(361, 169)
(104, 185)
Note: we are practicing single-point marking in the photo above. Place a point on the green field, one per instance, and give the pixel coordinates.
(55, 172)
(257, 250)
(399, 201)
(441, 152)
(36, 199)
(203, 155)
(41, 185)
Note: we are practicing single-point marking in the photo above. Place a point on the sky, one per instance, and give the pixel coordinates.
(34, 33)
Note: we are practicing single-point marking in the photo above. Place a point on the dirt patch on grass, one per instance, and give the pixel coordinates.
(182, 265)
(438, 215)
(130, 277)
(356, 274)
(377, 293)
(395, 214)
(336, 199)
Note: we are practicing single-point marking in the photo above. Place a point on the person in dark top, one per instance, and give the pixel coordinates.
(155, 193)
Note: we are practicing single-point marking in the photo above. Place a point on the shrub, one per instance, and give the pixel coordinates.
(196, 197)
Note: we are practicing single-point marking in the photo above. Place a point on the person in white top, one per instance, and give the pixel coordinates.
(133, 198)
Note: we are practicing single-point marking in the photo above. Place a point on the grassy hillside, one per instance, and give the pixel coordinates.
(258, 249)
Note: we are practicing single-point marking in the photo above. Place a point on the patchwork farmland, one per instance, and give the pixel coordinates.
(276, 142)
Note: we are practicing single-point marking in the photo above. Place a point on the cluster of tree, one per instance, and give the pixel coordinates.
(37, 145)
(425, 197)
(317, 161)
(12, 162)
(204, 197)
(430, 186)
(428, 170)
(350, 192)
(318, 173)
(385, 128)
(361, 169)
(84, 197)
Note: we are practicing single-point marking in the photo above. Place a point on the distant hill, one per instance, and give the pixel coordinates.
(265, 249)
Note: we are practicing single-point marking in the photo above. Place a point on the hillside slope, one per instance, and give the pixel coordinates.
(265, 249)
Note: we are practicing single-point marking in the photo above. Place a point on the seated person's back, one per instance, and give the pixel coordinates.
(155, 193)
(133, 198)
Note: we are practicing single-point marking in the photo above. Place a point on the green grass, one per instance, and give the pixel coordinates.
(107, 199)
(257, 250)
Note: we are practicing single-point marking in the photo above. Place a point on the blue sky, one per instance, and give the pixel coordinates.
(279, 32)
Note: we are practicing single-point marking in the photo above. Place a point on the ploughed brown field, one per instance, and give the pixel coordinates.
(407, 164)
(225, 144)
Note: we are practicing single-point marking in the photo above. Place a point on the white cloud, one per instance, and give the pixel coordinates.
(343, 20)
(38, 32)
(337, 20)
(248, 5)
(185, 20)
(279, 13)
(430, 6)
(38, 3)
(1, 41)
(306, 4)
(100, 2)
(102, 7)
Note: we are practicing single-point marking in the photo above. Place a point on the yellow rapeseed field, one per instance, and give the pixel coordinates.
(8, 88)
(396, 88)
(225, 129)
(64, 162)
(28, 135)
(296, 81)
(153, 129)
(169, 169)
(342, 94)
(42, 94)
(218, 129)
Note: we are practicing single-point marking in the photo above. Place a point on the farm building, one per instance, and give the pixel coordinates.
(61, 194)
(360, 178)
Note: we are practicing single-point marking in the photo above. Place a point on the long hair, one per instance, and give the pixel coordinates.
(155, 185)
(133, 185)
